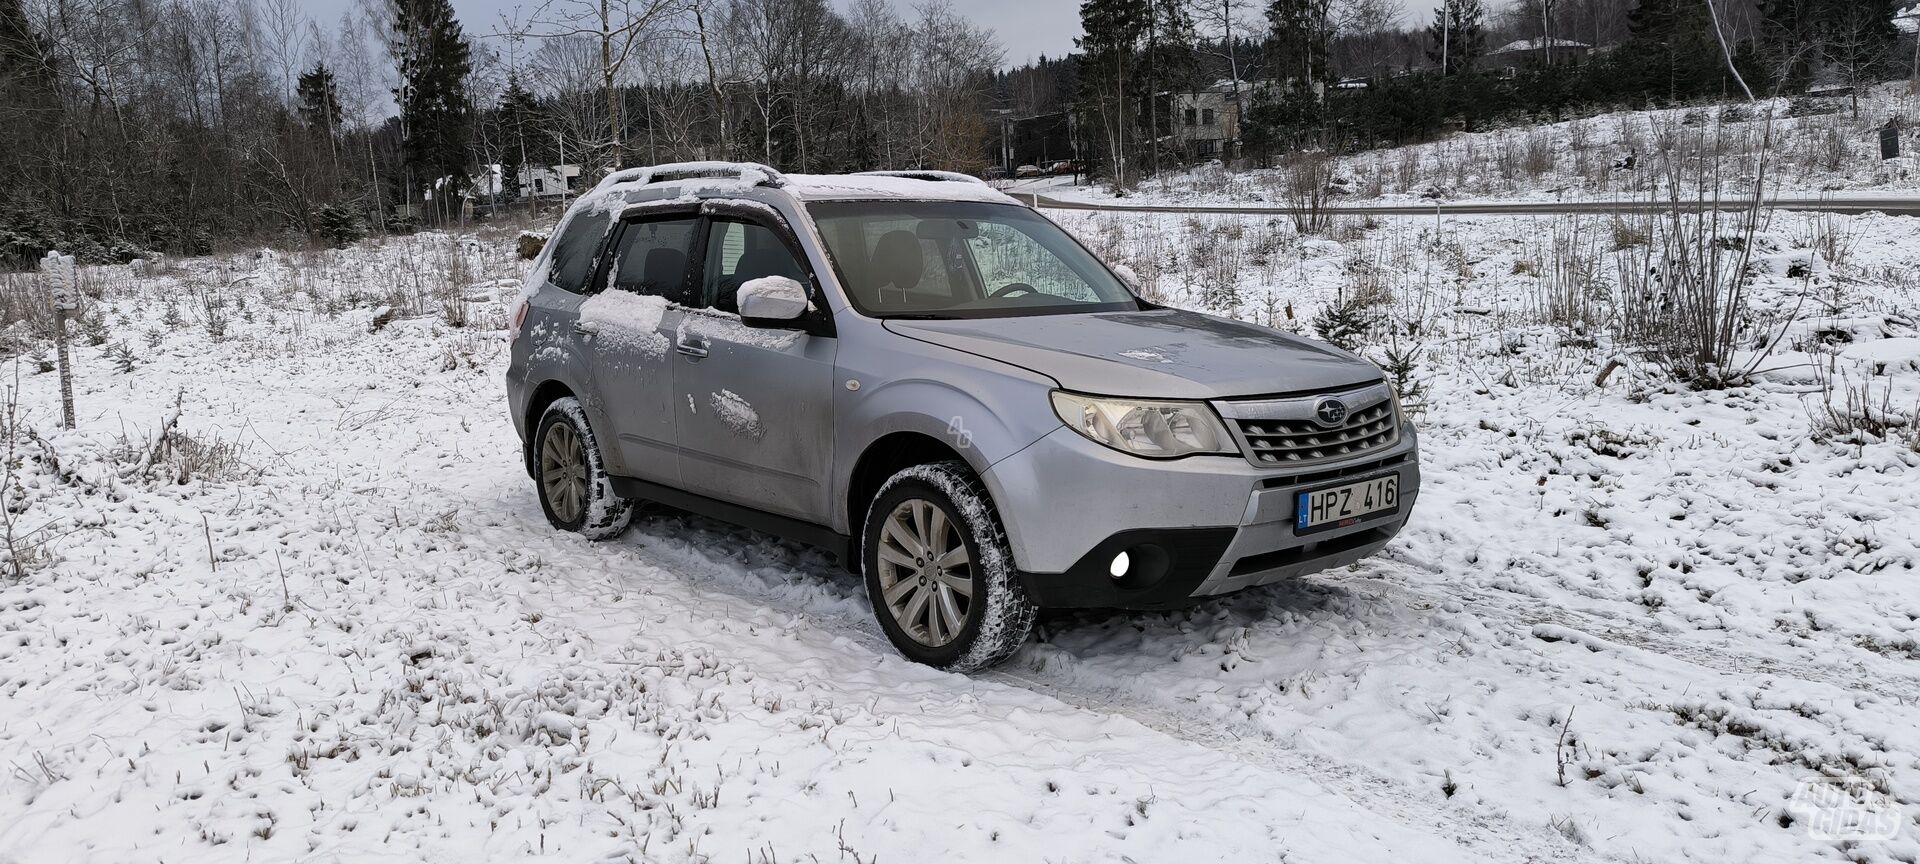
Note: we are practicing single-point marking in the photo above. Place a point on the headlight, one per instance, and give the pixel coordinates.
(1157, 430)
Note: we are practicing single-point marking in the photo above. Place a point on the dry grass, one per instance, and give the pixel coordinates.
(1855, 410)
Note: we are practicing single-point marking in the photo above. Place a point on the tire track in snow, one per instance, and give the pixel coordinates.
(1489, 836)
(1492, 604)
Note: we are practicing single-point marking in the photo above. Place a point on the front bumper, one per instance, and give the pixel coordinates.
(1199, 526)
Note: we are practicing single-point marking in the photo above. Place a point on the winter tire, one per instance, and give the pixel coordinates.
(939, 572)
(572, 482)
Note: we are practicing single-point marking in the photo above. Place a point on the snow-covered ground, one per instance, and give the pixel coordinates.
(1817, 147)
(327, 620)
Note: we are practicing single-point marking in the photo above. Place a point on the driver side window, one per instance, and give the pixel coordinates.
(1006, 256)
(738, 252)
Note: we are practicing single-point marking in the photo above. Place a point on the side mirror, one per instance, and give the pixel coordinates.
(771, 301)
(1127, 276)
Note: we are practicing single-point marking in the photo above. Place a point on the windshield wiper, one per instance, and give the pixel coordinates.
(920, 316)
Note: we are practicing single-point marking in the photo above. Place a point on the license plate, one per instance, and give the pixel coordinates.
(1340, 506)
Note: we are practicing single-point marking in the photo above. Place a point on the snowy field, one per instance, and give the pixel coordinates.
(1817, 147)
(322, 618)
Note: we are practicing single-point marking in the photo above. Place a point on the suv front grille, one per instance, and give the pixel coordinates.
(1300, 442)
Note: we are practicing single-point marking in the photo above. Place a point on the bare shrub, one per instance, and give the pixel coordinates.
(26, 548)
(1374, 182)
(1683, 296)
(1506, 159)
(212, 459)
(26, 312)
(1831, 236)
(1406, 172)
(1537, 159)
(167, 454)
(1570, 288)
(1308, 176)
(1628, 233)
(451, 292)
(1857, 411)
(1834, 151)
(1367, 282)
(1219, 255)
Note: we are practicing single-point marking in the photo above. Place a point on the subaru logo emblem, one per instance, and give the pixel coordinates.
(1330, 412)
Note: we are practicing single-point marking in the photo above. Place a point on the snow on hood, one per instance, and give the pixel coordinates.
(1163, 354)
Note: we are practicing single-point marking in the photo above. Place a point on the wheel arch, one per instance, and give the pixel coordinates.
(549, 392)
(884, 457)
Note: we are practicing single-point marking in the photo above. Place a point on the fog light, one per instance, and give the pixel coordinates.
(1120, 565)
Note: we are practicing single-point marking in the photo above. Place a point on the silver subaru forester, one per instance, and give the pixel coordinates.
(944, 389)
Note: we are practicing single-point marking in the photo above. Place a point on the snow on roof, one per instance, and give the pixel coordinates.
(1535, 45)
(691, 180)
(749, 173)
(827, 187)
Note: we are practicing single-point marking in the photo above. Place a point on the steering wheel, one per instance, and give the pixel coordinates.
(1014, 288)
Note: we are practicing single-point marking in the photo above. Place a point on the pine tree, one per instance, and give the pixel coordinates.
(1671, 43)
(1300, 31)
(1458, 36)
(433, 58)
(1171, 64)
(319, 99)
(1113, 30)
(517, 111)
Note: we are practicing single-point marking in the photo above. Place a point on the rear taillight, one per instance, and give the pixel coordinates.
(519, 318)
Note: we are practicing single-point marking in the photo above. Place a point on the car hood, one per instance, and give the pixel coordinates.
(1157, 354)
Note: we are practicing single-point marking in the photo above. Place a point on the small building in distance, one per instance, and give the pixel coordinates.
(1535, 53)
(1206, 120)
(546, 181)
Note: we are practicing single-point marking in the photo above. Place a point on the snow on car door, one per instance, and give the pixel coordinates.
(755, 405)
(626, 331)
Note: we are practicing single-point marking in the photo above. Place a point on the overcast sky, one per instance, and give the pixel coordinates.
(1027, 28)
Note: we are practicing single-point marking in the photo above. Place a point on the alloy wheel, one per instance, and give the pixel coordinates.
(563, 472)
(926, 573)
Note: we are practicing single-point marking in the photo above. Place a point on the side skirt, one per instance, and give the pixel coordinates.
(784, 527)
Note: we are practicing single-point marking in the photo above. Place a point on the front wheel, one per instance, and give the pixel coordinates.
(939, 572)
(574, 489)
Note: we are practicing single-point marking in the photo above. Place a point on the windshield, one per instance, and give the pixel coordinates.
(952, 259)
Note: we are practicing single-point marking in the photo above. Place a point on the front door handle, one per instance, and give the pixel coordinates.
(586, 328)
(692, 347)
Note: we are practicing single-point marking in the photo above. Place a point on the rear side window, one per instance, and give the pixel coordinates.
(576, 251)
(651, 258)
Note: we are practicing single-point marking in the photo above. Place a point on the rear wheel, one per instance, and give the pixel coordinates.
(939, 571)
(574, 489)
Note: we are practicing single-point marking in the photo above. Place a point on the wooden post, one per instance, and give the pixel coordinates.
(62, 277)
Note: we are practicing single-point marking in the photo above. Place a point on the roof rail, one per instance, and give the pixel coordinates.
(928, 175)
(754, 172)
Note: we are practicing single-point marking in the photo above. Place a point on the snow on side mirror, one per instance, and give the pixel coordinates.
(1127, 275)
(775, 300)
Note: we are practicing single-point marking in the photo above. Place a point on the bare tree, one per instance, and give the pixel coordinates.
(619, 28)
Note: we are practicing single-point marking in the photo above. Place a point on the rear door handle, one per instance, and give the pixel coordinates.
(585, 328)
(692, 347)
